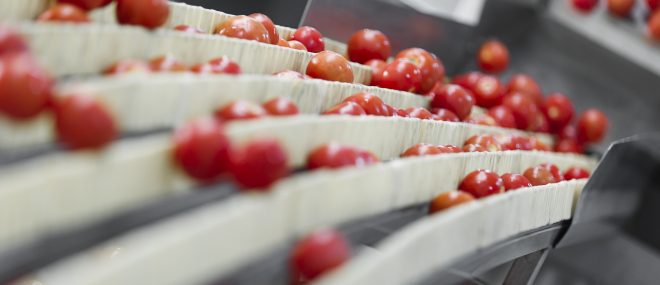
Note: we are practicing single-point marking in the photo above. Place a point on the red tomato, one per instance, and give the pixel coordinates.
(377, 68)
(503, 116)
(421, 149)
(11, 41)
(283, 43)
(474, 148)
(150, 14)
(25, 88)
(258, 164)
(64, 13)
(221, 65)
(620, 8)
(576, 173)
(243, 27)
(481, 183)
(558, 110)
(291, 74)
(584, 6)
(240, 110)
(280, 107)
(653, 4)
(125, 66)
(481, 119)
(567, 132)
(87, 4)
(468, 80)
(493, 56)
(569, 146)
(371, 104)
(527, 85)
(319, 252)
(201, 149)
(515, 181)
(188, 29)
(328, 65)
(399, 112)
(365, 45)
(296, 45)
(487, 141)
(524, 110)
(448, 148)
(654, 26)
(440, 114)
(542, 125)
(514, 142)
(401, 75)
(591, 126)
(449, 199)
(537, 144)
(554, 170)
(310, 38)
(419, 113)
(539, 175)
(453, 98)
(82, 122)
(429, 65)
(167, 63)
(273, 35)
(488, 91)
(334, 155)
(346, 108)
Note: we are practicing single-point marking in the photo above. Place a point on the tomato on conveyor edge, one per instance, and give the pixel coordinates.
(584, 6)
(568, 145)
(258, 164)
(126, 66)
(243, 27)
(591, 126)
(148, 14)
(401, 75)
(346, 108)
(449, 199)
(524, 110)
(11, 41)
(280, 107)
(654, 26)
(371, 104)
(558, 110)
(481, 119)
(188, 29)
(83, 122)
(167, 63)
(423, 149)
(525, 84)
(331, 66)
(620, 8)
(453, 98)
(291, 74)
(514, 142)
(431, 68)
(419, 113)
(334, 155)
(317, 253)
(481, 183)
(296, 45)
(542, 125)
(474, 148)
(220, 65)
(87, 4)
(554, 170)
(488, 91)
(487, 141)
(311, 38)
(441, 114)
(539, 175)
(538, 144)
(240, 110)
(273, 35)
(365, 45)
(377, 67)
(25, 88)
(201, 149)
(64, 13)
(576, 173)
(467, 80)
(493, 56)
(513, 181)
(503, 116)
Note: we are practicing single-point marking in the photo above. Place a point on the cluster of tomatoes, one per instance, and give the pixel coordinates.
(169, 63)
(149, 14)
(480, 143)
(622, 9)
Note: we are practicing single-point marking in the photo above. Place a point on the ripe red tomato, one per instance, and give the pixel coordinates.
(514, 142)
(584, 6)
(524, 110)
(568, 146)
(280, 107)
(556, 174)
(515, 181)
(201, 149)
(449, 199)
(620, 8)
(371, 104)
(558, 110)
(365, 45)
(291, 74)
(654, 26)
(328, 65)
(334, 155)
(493, 56)
(149, 14)
(481, 183)
(273, 35)
(421, 149)
(11, 41)
(82, 122)
(542, 125)
(448, 148)
(240, 110)
(87, 4)
(487, 141)
(377, 68)
(481, 119)
(453, 98)
(539, 175)
(419, 113)
(167, 63)
(401, 75)
(653, 4)
(317, 253)
(399, 112)
(430, 67)
(220, 65)
(188, 29)
(503, 116)
(243, 27)
(258, 164)
(310, 38)
(537, 144)
(64, 13)
(296, 45)
(527, 85)
(25, 88)
(488, 91)
(283, 43)
(567, 132)
(467, 80)
(576, 173)
(474, 148)
(125, 66)
(441, 114)
(591, 126)
(346, 108)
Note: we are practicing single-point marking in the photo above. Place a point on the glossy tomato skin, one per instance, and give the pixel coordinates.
(280, 107)
(468, 80)
(317, 253)
(125, 66)
(448, 148)
(421, 149)
(419, 113)
(273, 35)
(584, 6)
(371, 104)
(481, 183)
(474, 148)
(220, 65)
(503, 116)
(654, 26)
(488, 91)
(441, 114)
(514, 181)
(243, 27)
(334, 155)
(167, 63)
(346, 108)
(449, 199)
(11, 41)
(431, 69)
(556, 174)
(542, 125)
(567, 132)
(591, 126)
(481, 119)
(311, 38)
(514, 142)
(25, 88)
(489, 142)
(82, 122)
(149, 14)
(291, 74)
(328, 65)
(240, 110)
(401, 75)
(87, 4)
(365, 45)
(569, 146)
(524, 110)
(539, 175)
(64, 13)
(576, 173)
(453, 98)
(296, 45)
(258, 164)
(620, 8)
(653, 4)
(377, 68)
(558, 109)
(188, 29)
(525, 84)
(493, 56)
(201, 149)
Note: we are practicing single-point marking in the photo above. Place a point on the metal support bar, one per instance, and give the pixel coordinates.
(525, 269)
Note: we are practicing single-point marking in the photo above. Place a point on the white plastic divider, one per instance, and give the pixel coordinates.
(15, 10)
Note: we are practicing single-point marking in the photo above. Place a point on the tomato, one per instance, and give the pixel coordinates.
(328, 65)
(481, 183)
(419, 113)
(653, 4)
(556, 174)
(125, 66)
(64, 13)
(576, 173)
(558, 110)
(654, 26)
(167, 63)
(283, 43)
(569, 146)
(567, 132)
(296, 45)
(291, 74)
(150, 14)
(82, 122)
(620, 8)
(493, 56)
(421, 149)
(487, 141)
(524, 110)
(537, 144)
(527, 85)
(365, 45)
(11, 41)
(334, 155)
(87, 4)
(448, 148)
(221, 65)
(481, 119)
(317, 253)
(25, 88)
(429, 65)
(467, 80)
(515, 181)
(188, 29)
(310, 38)
(346, 108)
(201, 149)
(399, 112)
(474, 148)
(514, 142)
(258, 164)
(591, 126)
(377, 68)
(371, 104)
(542, 125)
(453, 98)
(584, 6)
(243, 27)
(440, 114)
(240, 110)
(401, 75)
(488, 91)
(539, 175)
(273, 35)
(503, 116)
(280, 107)
(449, 199)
